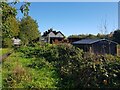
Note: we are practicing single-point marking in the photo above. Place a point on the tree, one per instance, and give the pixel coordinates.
(28, 30)
(116, 36)
(91, 36)
(10, 26)
(73, 36)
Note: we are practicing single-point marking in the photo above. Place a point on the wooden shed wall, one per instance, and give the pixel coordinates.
(105, 47)
(101, 47)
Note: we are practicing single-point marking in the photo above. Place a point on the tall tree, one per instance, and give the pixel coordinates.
(9, 26)
(12, 28)
(28, 30)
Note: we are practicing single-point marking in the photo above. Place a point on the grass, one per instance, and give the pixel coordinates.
(17, 74)
(21, 71)
(4, 50)
(0, 75)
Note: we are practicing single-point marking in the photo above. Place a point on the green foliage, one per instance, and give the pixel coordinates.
(83, 36)
(47, 73)
(21, 72)
(4, 50)
(90, 36)
(7, 43)
(28, 30)
(68, 64)
(10, 26)
(0, 76)
(7, 11)
(15, 77)
(99, 72)
(65, 57)
(65, 66)
(9, 23)
(116, 36)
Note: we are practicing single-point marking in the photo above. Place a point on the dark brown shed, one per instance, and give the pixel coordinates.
(97, 46)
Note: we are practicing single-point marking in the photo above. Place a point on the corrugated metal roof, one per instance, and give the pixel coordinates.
(90, 41)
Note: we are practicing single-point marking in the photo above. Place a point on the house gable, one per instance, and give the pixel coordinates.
(59, 35)
(51, 34)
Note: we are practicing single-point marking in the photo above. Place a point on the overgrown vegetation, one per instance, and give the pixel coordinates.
(26, 29)
(60, 66)
(4, 50)
(20, 72)
(115, 36)
(44, 65)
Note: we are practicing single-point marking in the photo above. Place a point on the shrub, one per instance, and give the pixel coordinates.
(65, 57)
(44, 75)
(7, 43)
(74, 67)
(39, 63)
(16, 77)
(99, 72)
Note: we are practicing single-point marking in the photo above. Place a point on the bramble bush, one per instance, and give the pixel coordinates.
(99, 72)
(65, 58)
(75, 68)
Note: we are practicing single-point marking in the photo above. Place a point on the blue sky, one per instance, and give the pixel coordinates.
(75, 17)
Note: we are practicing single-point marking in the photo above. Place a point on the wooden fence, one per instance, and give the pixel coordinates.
(118, 52)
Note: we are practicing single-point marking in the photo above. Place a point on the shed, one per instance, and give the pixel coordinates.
(97, 46)
(16, 42)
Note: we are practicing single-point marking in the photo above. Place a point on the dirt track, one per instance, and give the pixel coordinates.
(4, 56)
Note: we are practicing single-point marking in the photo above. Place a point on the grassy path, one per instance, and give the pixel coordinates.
(4, 50)
(17, 73)
(4, 53)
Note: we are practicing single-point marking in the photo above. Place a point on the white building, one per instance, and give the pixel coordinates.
(16, 42)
